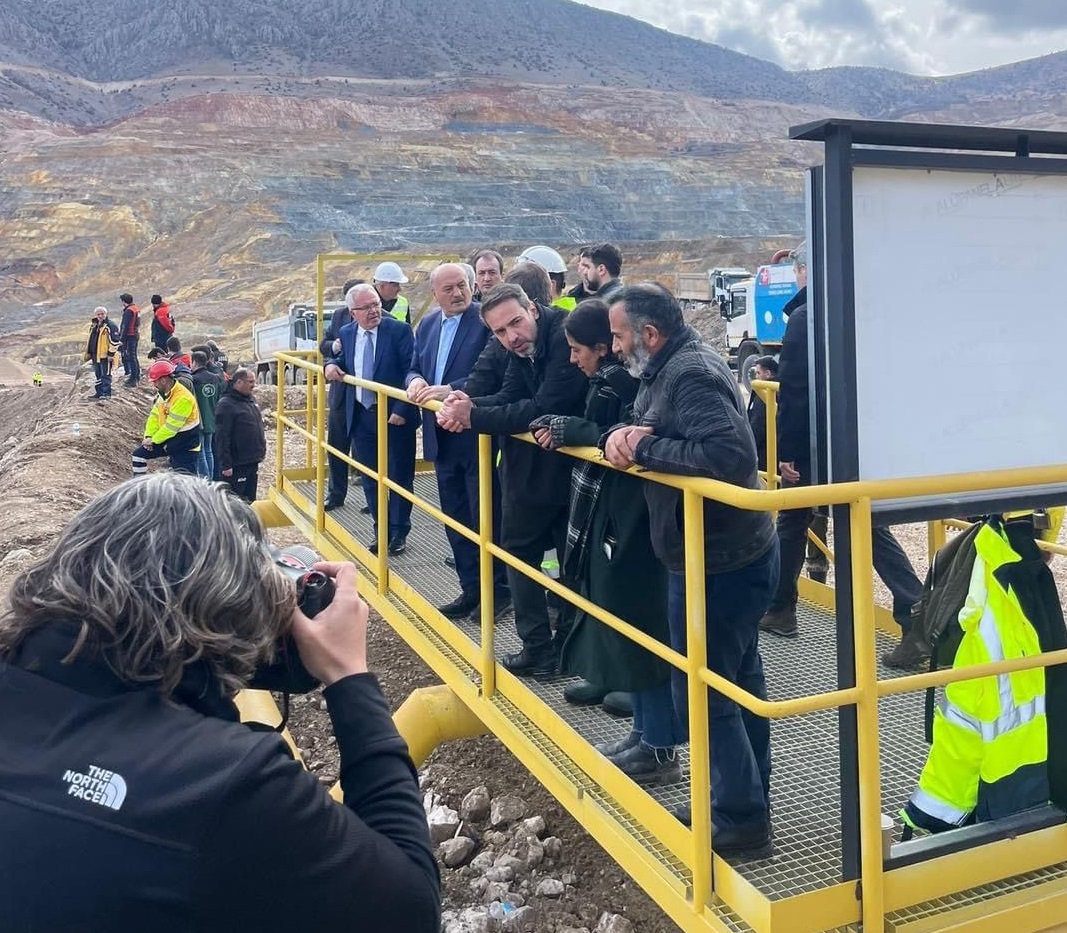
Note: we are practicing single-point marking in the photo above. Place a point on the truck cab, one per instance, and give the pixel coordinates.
(295, 330)
(755, 324)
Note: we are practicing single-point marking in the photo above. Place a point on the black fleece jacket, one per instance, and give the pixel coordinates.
(122, 809)
(239, 435)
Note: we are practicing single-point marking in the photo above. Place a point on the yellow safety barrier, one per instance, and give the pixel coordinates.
(675, 865)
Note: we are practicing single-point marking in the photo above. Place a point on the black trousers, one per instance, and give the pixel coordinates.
(527, 531)
(244, 480)
(890, 561)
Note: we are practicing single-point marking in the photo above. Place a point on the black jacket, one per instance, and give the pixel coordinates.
(124, 810)
(690, 399)
(239, 435)
(794, 430)
(547, 384)
(757, 420)
(340, 317)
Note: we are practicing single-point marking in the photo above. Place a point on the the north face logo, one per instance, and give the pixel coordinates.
(97, 786)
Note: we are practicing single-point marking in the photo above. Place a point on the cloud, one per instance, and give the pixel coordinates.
(1018, 16)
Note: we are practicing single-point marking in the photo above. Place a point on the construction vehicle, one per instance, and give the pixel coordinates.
(696, 290)
(755, 324)
(295, 330)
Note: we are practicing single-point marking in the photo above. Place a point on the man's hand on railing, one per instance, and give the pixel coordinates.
(333, 373)
(789, 472)
(621, 444)
(455, 413)
(397, 420)
(420, 392)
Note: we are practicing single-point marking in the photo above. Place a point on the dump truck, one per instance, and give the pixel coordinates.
(696, 290)
(294, 330)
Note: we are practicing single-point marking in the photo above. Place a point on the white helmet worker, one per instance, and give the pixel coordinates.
(544, 256)
(390, 272)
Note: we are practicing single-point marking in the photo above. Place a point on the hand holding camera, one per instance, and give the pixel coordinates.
(333, 644)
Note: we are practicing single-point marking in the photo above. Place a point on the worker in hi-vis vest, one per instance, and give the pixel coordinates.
(388, 278)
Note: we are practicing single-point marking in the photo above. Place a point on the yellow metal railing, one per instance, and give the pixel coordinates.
(693, 847)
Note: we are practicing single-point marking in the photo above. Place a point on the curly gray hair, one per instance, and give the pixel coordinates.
(159, 572)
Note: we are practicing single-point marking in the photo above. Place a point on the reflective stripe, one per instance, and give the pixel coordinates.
(1015, 717)
(940, 809)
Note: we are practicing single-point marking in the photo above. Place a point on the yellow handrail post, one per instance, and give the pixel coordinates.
(485, 563)
(382, 414)
(279, 433)
(320, 439)
(870, 796)
(699, 742)
(770, 399)
(935, 538)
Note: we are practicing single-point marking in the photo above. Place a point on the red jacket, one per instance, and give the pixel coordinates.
(164, 318)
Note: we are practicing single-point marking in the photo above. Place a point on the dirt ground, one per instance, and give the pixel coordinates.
(58, 450)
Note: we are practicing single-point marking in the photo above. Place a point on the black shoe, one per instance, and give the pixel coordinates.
(527, 663)
(450, 561)
(749, 844)
(781, 622)
(618, 703)
(912, 652)
(373, 546)
(501, 607)
(461, 606)
(584, 693)
(611, 749)
(645, 765)
(398, 544)
(332, 504)
(365, 510)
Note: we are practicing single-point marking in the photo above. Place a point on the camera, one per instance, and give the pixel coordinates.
(314, 592)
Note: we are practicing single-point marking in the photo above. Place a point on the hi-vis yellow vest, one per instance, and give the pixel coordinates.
(400, 309)
(172, 415)
(985, 730)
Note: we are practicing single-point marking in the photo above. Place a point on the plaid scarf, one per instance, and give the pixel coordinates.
(586, 481)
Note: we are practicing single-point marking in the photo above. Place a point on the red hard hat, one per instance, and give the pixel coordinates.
(159, 369)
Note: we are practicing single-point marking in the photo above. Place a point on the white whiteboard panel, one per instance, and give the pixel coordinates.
(960, 320)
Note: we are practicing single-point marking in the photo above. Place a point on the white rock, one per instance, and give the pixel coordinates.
(471, 920)
(569, 877)
(535, 824)
(550, 887)
(475, 806)
(613, 923)
(521, 920)
(553, 847)
(443, 822)
(483, 860)
(509, 861)
(16, 556)
(495, 891)
(506, 809)
(454, 852)
(501, 873)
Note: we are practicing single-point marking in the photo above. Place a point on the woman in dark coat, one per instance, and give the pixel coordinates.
(609, 559)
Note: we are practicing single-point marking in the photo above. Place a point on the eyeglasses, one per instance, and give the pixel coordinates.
(376, 304)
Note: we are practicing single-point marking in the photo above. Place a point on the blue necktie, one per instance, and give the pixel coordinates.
(449, 326)
(366, 396)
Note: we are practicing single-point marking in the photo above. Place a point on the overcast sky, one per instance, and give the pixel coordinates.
(917, 36)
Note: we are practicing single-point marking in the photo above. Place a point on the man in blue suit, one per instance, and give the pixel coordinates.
(448, 341)
(378, 348)
(337, 427)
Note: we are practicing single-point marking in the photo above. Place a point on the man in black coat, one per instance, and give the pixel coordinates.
(242, 442)
(765, 368)
(540, 380)
(794, 455)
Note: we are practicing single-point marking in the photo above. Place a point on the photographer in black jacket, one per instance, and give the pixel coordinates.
(131, 797)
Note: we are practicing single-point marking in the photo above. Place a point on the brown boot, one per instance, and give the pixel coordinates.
(782, 622)
(912, 652)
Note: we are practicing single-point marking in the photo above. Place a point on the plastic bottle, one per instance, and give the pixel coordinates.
(76, 429)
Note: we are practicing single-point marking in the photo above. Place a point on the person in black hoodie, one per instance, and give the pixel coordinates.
(132, 797)
(539, 380)
(241, 441)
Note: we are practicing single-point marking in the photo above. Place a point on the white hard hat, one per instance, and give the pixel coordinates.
(544, 256)
(389, 272)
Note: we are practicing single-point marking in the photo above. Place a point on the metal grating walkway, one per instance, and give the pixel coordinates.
(804, 786)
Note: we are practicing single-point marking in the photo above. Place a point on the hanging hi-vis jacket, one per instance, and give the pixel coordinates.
(990, 734)
(173, 414)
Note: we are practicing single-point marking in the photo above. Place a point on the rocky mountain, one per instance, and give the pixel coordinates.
(210, 151)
